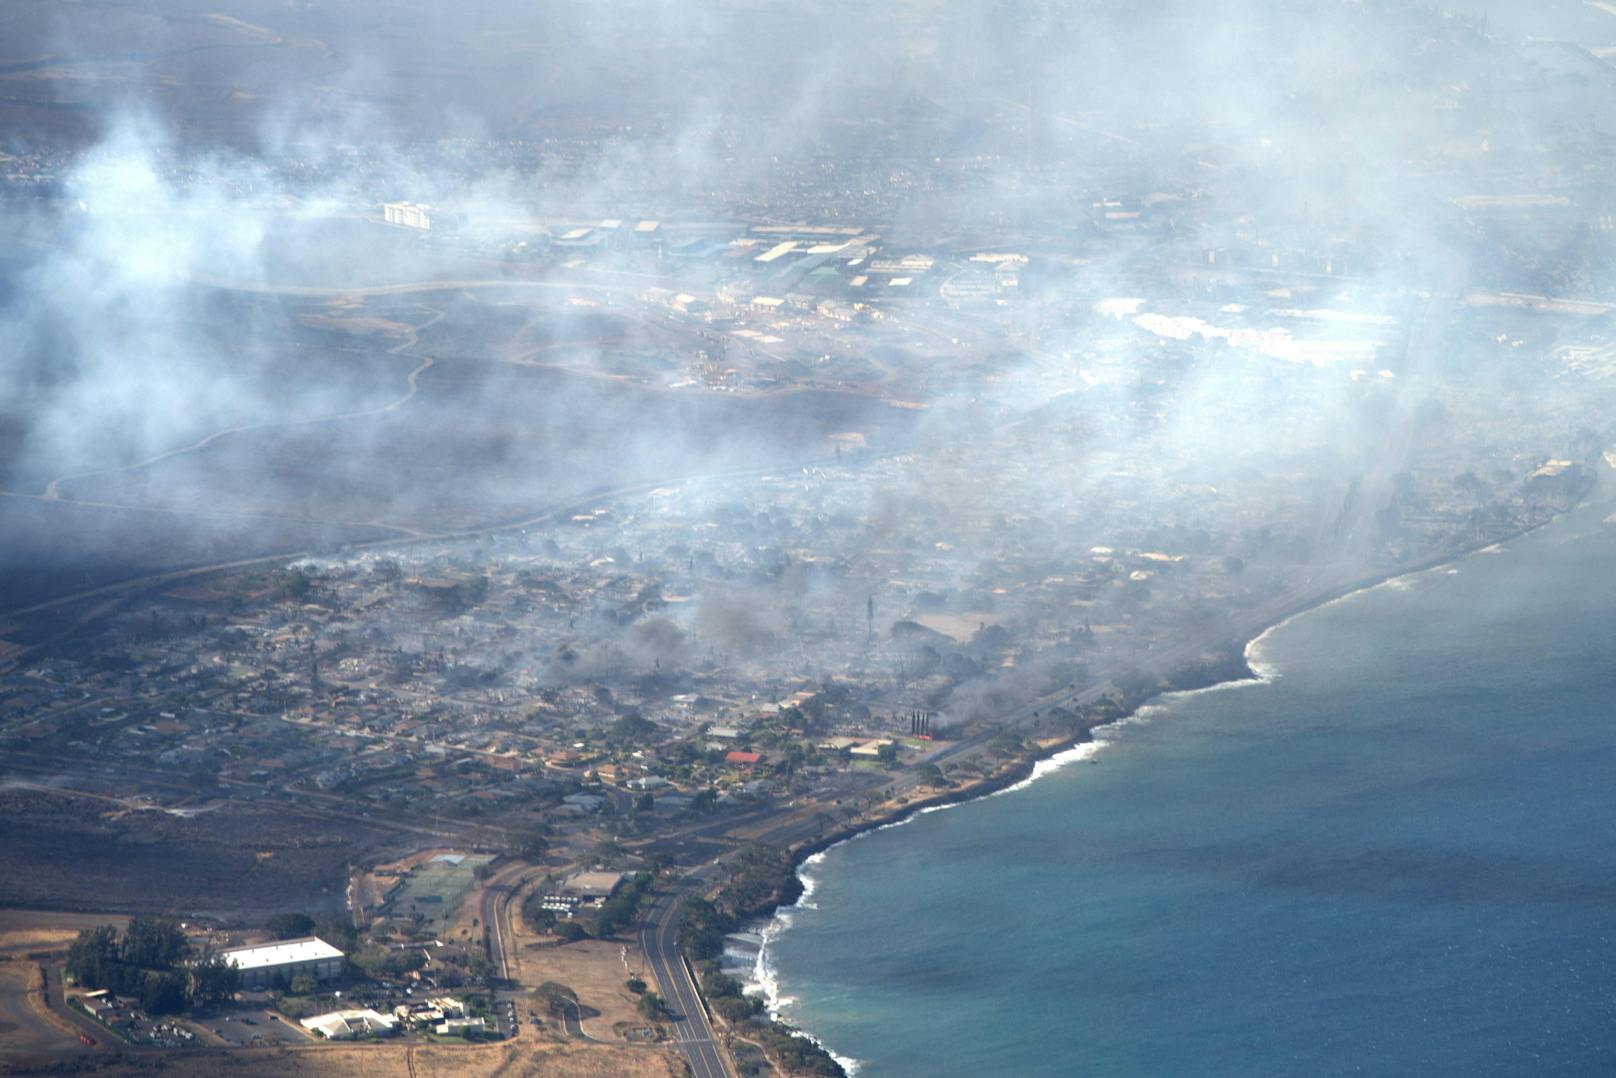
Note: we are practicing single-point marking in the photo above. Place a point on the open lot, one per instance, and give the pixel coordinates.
(242, 861)
(24, 932)
(523, 1057)
(27, 1026)
(595, 969)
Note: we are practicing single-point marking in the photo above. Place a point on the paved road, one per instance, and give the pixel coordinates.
(572, 1022)
(495, 911)
(691, 1031)
(35, 1020)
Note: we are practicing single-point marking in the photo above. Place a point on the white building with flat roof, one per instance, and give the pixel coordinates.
(277, 963)
(346, 1025)
(408, 214)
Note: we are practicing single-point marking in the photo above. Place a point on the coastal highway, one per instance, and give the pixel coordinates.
(691, 1030)
(658, 943)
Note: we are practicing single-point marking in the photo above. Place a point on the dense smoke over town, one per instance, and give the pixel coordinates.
(123, 358)
(145, 293)
(820, 404)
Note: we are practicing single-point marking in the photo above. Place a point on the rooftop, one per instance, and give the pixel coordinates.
(593, 884)
(280, 953)
(340, 1025)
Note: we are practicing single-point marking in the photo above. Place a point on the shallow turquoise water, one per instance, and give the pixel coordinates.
(1395, 858)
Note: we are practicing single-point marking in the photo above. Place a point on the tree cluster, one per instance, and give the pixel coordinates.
(557, 997)
(651, 1007)
(760, 878)
(387, 962)
(724, 994)
(623, 908)
(796, 1054)
(148, 963)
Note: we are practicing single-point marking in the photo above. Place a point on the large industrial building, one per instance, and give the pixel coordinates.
(277, 963)
(409, 214)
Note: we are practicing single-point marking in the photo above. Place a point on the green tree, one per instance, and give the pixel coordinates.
(570, 931)
(294, 584)
(557, 997)
(703, 928)
(304, 985)
(154, 943)
(92, 956)
(631, 729)
(384, 962)
(532, 846)
(623, 908)
(164, 992)
(213, 980)
(480, 966)
(1005, 745)
(651, 1007)
(608, 854)
(716, 984)
(736, 1008)
(339, 932)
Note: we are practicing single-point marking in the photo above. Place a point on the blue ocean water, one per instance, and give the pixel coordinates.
(1398, 857)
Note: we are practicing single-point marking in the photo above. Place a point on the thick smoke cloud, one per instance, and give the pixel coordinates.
(147, 306)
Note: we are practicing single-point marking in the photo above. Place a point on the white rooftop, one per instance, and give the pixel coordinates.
(594, 884)
(340, 1025)
(310, 949)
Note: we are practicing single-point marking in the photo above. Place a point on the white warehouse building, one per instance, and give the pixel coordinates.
(277, 963)
(409, 214)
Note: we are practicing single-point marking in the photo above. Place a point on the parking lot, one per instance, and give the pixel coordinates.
(255, 1026)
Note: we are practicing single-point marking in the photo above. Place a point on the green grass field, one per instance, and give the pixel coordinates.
(433, 891)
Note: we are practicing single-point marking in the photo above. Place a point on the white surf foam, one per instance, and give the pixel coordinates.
(1049, 766)
(765, 979)
(765, 976)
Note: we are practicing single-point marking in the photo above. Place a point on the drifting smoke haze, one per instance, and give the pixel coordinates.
(610, 435)
(204, 359)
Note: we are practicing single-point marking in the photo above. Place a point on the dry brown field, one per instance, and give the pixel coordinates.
(506, 1060)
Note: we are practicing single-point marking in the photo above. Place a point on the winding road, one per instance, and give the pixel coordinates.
(572, 1023)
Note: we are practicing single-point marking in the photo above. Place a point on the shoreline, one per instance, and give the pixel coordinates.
(1047, 758)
